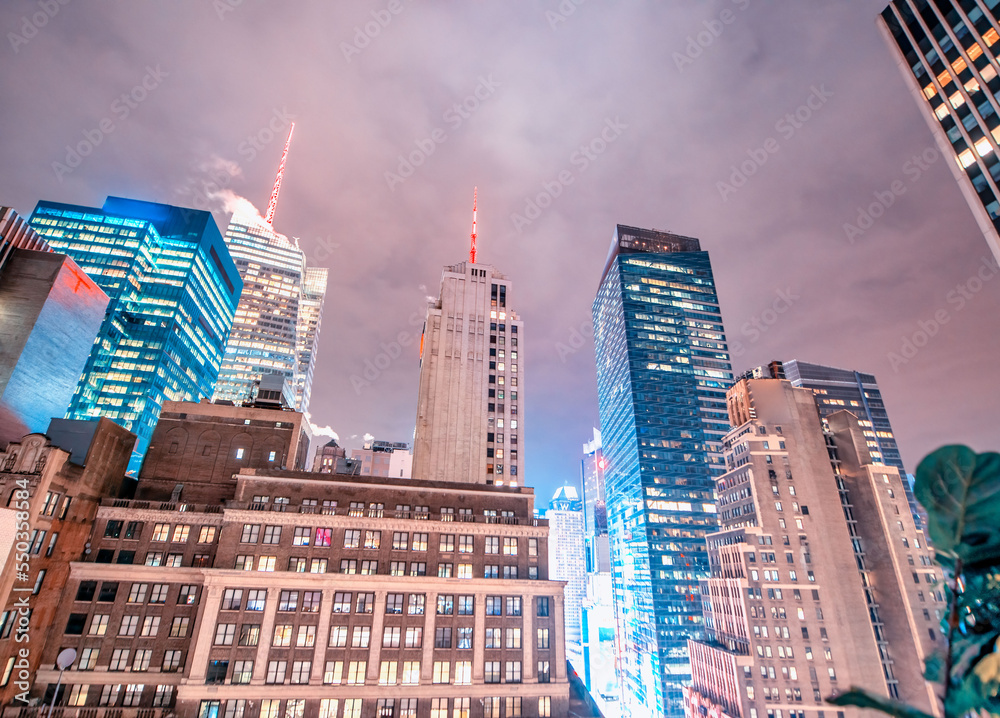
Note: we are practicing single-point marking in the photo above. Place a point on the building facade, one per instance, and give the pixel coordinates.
(173, 292)
(277, 323)
(51, 498)
(331, 458)
(595, 510)
(316, 595)
(947, 53)
(50, 313)
(662, 372)
(857, 392)
(567, 561)
(384, 458)
(820, 578)
(198, 448)
(469, 403)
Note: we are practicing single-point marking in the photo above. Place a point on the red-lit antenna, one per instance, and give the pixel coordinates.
(472, 250)
(273, 203)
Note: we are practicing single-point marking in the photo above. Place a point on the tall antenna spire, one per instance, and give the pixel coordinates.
(273, 203)
(472, 250)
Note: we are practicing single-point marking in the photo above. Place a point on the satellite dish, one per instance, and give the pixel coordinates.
(65, 658)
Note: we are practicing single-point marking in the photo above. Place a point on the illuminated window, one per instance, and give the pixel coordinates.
(983, 147)
(991, 36)
(956, 100)
(966, 158)
(944, 78)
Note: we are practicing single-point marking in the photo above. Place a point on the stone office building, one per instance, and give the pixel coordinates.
(330, 596)
(50, 490)
(820, 578)
(305, 594)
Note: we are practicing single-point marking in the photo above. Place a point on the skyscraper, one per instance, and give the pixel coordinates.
(595, 511)
(811, 589)
(468, 402)
(173, 289)
(857, 392)
(947, 52)
(567, 562)
(50, 313)
(279, 315)
(662, 373)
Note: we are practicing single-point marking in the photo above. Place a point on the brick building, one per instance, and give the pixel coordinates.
(820, 578)
(197, 449)
(59, 490)
(252, 591)
(379, 600)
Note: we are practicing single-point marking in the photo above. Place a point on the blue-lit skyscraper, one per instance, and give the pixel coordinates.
(174, 290)
(662, 373)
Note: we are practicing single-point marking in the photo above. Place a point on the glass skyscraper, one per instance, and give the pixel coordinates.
(173, 289)
(662, 374)
(278, 319)
(947, 52)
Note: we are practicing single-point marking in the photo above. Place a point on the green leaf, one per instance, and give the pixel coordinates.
(961, 492)
(967, 650)
(863, 699)
(934, 668)
(973, 694)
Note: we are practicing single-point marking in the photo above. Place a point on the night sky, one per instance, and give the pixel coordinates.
(614, 113)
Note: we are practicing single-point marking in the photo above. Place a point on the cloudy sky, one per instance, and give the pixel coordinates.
(402, 107)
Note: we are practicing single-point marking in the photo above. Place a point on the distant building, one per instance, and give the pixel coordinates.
(820, 578)
(391, 459)
(277, 323)
(947, 52)
(173, 289)
(59, 492)
(326, 457)
(567, 561)
(662, 373)
(595, 511)
(470, 406)
(598, 637)
(597, 628)
(50, 314)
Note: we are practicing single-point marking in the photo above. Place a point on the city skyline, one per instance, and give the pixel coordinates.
(792, 282)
